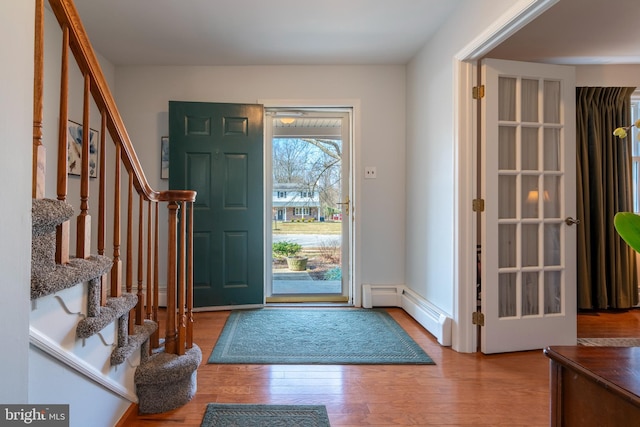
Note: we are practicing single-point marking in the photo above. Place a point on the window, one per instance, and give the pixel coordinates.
(301, 211)
(635, 151)
(282, 194)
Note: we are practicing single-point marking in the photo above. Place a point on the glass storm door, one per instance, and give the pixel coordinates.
(528, 239)
(309, 195)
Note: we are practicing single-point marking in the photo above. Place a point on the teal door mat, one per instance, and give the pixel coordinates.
(233, 415)
(315, 336)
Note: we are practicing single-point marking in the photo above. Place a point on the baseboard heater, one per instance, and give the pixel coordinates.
(425, 313)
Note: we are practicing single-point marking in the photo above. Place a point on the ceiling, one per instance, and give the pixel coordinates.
(254, 32)
(331, 32)
(577, 32)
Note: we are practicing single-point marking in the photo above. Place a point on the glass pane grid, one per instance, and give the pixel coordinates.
(552, 101)
(507, 93)
(530, 282)
(530, 100)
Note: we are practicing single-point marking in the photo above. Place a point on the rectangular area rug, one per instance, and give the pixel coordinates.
(228, 415)
(315, 336)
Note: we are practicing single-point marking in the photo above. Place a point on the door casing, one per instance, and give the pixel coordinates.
(465, 334)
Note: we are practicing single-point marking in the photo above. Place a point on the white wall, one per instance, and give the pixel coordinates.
(431, 168)
(16, 121)
(55, 383)
(608, 75)
(54, 330)
(143, 93)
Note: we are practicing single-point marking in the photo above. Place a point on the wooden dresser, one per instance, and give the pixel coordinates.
(595, 386)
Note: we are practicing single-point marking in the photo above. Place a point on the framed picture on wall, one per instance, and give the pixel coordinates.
(74, 150)
(164, 157)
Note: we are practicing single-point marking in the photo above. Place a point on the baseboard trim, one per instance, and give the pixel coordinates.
(426, 314)
(42, 342)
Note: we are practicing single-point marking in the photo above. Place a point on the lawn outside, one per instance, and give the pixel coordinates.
(316, 227)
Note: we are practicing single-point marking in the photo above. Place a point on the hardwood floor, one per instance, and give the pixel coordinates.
(460, 390)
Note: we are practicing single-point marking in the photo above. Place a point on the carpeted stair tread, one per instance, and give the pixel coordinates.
(167, 381)
(140, 335)
(113, 310)
(164, 368)
(77, 271)
(46, 214)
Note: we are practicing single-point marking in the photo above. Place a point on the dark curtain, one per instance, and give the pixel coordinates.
(606, 265)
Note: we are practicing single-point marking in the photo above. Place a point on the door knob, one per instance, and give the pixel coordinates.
(571, 221)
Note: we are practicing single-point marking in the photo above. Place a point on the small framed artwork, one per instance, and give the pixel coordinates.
(74, 150)
(164, 157)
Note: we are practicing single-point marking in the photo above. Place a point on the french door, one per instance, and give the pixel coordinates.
(528, 263)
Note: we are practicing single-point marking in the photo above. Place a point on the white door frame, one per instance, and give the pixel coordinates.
(354, 105)
(465, 336)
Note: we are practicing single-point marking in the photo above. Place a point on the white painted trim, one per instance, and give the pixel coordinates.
(519, 15)
(426, 314)
(524, 11)
(267, 235)
(42, 342)
(465, 339)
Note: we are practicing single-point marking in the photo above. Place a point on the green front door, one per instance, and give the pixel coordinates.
(217, 150)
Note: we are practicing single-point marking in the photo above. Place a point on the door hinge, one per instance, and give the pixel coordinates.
(478, 92)
(477, 318)
(478, 205)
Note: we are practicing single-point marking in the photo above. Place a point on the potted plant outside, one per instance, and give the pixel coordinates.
(291, 251)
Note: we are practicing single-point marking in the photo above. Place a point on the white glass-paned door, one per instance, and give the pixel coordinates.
(528, 251)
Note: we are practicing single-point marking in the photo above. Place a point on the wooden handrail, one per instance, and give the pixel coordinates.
(67, 14)
(179, 246)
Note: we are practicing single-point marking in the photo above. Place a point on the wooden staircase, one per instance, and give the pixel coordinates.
(123, 281)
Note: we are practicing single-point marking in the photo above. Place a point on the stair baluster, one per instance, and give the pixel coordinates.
(136, 314)
(179, 263)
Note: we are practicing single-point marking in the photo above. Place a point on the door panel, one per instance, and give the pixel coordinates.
(217, 150)
(528, 252)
